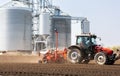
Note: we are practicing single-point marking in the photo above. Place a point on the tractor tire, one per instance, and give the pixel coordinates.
(74, 55)
(100, 58)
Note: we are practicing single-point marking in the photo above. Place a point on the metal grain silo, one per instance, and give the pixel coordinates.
(63, 25)
(44, 28)
(15, 29)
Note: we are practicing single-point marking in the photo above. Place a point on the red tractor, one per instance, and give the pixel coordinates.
(86, 49)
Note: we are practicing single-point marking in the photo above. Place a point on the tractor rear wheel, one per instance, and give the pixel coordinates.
(74, 55)
(100, 58)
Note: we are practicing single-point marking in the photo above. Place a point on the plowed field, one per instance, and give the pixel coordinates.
(29, 67)
(25, 69)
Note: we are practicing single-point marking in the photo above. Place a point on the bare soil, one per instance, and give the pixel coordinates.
(19, 65)
(34, 69)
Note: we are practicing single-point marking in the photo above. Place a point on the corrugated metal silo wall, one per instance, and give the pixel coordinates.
(63, 26)
(16, 29)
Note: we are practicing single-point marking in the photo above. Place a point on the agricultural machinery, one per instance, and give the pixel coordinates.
(86, 49)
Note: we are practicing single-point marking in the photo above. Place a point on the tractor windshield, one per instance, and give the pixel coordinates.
(86, 41)
(93, 41)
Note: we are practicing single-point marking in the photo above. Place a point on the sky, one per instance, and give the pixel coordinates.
(104, 17)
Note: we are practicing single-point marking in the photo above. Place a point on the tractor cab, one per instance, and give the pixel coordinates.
(86, 40)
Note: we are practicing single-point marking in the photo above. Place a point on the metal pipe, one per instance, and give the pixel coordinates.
(56, 32)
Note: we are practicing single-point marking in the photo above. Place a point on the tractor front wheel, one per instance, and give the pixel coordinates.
(100, 58)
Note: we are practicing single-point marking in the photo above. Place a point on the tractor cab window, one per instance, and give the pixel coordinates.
(82, 41)
(93, 41)
(86, 41)
(79, 40)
